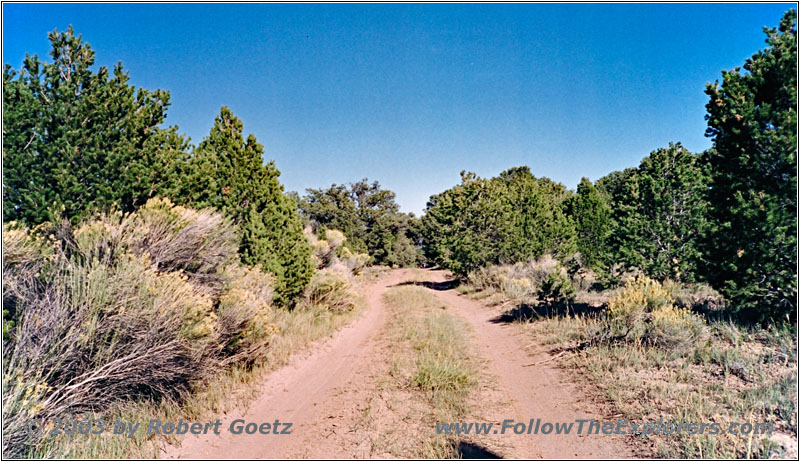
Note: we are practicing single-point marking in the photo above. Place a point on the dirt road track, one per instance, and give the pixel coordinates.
(302, 393)
(541, 391)
(320, 392)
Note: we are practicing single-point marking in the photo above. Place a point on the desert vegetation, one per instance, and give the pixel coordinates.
(726, 216)
(144, 276)
(368, 216)
(673, 284)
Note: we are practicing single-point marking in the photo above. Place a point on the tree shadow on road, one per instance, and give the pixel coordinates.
(444, 285)
(528, 312)
(465, 450)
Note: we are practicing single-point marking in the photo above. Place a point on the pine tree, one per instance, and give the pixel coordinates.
(76, 141)
(658, 214)
(590, 212)
(752, 120)
(227, 172)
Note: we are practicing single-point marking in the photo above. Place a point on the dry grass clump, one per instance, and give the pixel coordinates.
(120, 308)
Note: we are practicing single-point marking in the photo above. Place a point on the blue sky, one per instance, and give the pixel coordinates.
(410, 95)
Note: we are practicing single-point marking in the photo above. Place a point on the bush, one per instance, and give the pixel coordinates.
(643, 310)
(23, 256)
(517, 289)
(96, 334)
(332, 253)
(354, 262)
(557, 289)
(696, 297)
(245, 313)
(123, 307)
(174, 238)
(674, 328)
(582, 277)
(332, 290)
(544, 279)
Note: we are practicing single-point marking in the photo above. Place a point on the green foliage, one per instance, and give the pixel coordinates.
(590, 211)
(658, 214)
(557, 289)
(75, 140)
(511, 218)
(752, 120)
(227, 173)
(368, 216)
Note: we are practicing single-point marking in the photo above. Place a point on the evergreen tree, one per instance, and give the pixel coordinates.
(590, 212)
(368, 216)
(227, 172)
(78, 141)
(752, 120)
(658, 214)
(511, 218)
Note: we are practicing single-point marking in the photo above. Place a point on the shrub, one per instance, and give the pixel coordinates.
(23, 256)
(354, 262)
(122, 307)
(331, 252)
(643, 310)
(331, 289)
(335, 239)
(557, 289)
(490, 277)
(96, 334)
(521, 290)
(674, 328)
(696, 296)
(582, 277)
(544, 279)
(245, 313)
(175, 238)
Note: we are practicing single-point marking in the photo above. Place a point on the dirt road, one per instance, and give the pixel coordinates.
(534, 388)
(323, 394)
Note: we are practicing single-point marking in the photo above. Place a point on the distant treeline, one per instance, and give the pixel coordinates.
(727, 216)
(77, 142)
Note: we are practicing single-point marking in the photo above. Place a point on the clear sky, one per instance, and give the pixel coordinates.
(412, 94)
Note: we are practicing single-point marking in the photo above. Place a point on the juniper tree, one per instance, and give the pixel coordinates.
(591, 214)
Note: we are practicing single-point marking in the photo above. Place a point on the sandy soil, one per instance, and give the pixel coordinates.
(534, 388)
(325, 394)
